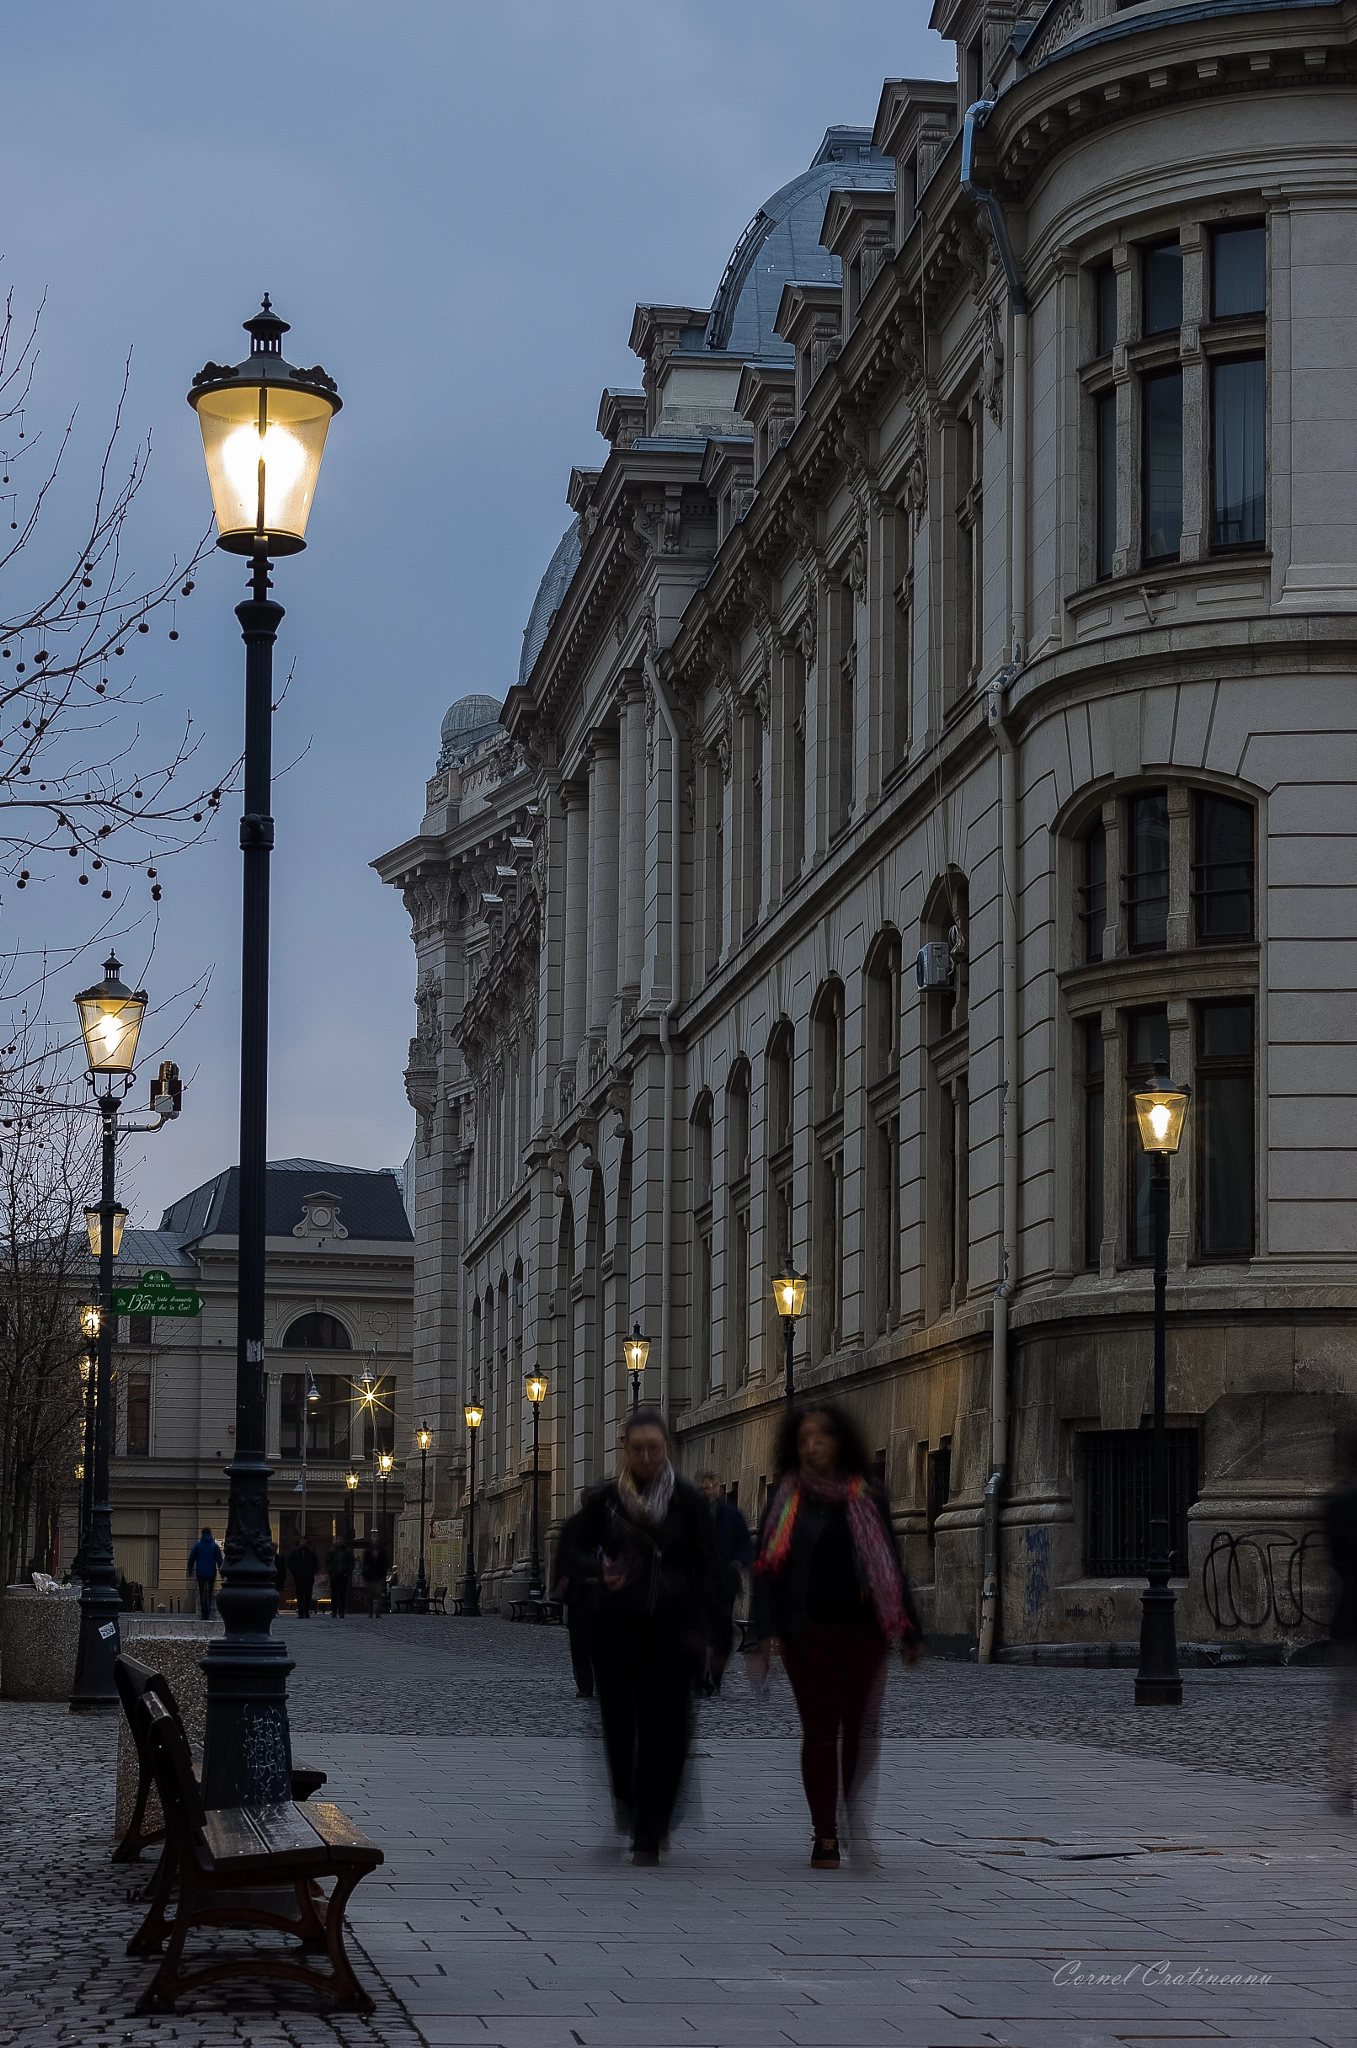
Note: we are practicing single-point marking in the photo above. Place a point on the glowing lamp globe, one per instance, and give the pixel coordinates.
(89, 1320)
(110, 1022)
(263, 425)
(424, 1437)
(789, 1291)
(636, 1350)
(474, 1414)
(1161, 1109)
(535, 1387)
(94, 1224)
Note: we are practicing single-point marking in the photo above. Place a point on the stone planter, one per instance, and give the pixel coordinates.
(39, 1636)
(178, 1653)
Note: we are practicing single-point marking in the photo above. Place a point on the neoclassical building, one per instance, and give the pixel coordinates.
(938, 707)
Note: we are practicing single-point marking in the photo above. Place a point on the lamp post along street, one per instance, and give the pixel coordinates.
(420, 1603)
(535, 1387)
(89, 1328)
(351, 1484)
(636, 1351)
(1161, 1109)
(263, 425)
(471, 1592)
(789, 1293)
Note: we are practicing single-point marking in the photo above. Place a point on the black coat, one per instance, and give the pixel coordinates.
(303, 1564)
(780, 1601)
(339, 1562)
(676, 1573)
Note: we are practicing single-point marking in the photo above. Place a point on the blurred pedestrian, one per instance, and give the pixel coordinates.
(645, 1543)
(204, 1562)
(734, 1550)
(829, 1593)
(374, 1564)
(1340, 1530)
(303, 1564)
(572, 1588)
(339, 1568)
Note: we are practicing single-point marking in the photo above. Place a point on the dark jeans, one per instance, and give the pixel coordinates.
(579, 1621)
(303, 1598)
(339, 1596)
(643, 1673)
(838, 1674)
(205, 1598)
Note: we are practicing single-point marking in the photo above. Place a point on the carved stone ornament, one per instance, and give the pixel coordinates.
(857, 560)
(763, 689)
(427, 899)
(908, 354)
(914, 498)
(805, 526)
(807, 631)
(992, 373)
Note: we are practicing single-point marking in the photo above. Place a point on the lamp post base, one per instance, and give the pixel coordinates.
(420, 1603)
(1158, 1682)
(471, 1598)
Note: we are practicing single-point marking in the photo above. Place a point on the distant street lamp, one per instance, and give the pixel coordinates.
(789, 1292)
(471, 1592)
(312, 1397)
(636, 1350)
(420, 1603)
(384, 1463)
(1161, 1110)
(535, 1387)
(351, 1482)
(110, 1023)
(263, 425)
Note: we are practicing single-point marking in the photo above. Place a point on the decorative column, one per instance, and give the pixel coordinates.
(632, 842)
(573, 970)
(603, 777)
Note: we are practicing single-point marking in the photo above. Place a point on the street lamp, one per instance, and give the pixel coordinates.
(1161, 1110)
(89, 1326)
(471, 1592)
(535, 1387)
(110, 1023)
(420, 1603)
(789, 1293)
(263, 425)
(312, 1397)
(351, 1481)
(385, 1462)
(636, 1350)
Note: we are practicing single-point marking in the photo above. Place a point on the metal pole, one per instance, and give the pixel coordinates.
(94, 1690)
(421, 1599)
(1157, 1681)
(87, 1480)
(306, 1431)
(635, 1392)
(471, 1592)
(247, 1748)
(535, 1585)
(789, 1327)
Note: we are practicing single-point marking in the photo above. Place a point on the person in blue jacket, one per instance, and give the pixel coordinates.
(204, 1562)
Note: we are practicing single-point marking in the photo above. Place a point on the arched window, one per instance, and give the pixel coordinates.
(778, 1143)
(737, 1240)
(882, 993)
(827, 1022)
(317, 1332)
(702, 1242)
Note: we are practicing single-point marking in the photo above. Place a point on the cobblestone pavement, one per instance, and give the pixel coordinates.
(442, 1727)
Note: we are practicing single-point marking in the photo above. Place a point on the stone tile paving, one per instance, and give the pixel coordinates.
(505, 1915)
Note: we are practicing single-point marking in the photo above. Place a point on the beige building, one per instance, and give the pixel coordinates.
(339, 1262)
(940, 706)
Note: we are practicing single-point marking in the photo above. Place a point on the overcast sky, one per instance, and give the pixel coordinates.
(457, 206)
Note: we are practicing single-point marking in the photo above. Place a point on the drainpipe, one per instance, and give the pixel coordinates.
(669, 1011)
(976, 116)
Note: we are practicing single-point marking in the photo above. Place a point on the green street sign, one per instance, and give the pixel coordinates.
(155, 1294)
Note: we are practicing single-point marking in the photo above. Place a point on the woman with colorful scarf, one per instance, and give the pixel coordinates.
(829, 1593)
(645, 1548)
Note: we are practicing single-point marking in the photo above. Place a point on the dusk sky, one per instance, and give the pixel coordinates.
(457, 207)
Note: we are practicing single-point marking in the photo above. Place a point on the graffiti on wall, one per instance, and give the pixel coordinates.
(1267, 1575)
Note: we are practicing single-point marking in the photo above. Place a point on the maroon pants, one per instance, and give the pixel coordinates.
(838, 1674)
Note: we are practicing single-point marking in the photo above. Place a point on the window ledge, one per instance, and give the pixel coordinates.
(1163, 582)
(1131, 978)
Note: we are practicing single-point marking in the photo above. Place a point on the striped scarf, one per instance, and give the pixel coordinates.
(652, 1505)
(875, 1552)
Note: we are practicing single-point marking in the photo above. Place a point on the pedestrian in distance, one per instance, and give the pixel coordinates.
(830, 1595)
(645, 1545)
(735, 1552)
(1340, 1532)
(339, 1567)
(374, 1565)
(303, 1565)
(572, 1589)
(204, 1562)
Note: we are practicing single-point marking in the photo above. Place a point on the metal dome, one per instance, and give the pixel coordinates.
(466, 725)
(547, 602)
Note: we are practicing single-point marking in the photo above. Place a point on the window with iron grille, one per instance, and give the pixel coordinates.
(1117, 1465)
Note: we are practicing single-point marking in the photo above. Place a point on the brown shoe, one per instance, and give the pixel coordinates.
(824, 1853)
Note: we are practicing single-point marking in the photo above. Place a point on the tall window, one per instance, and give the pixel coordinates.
(778, 1143)
(1147, 1041)
(1162, 287)
(700, 1131)
(1238, 272)
(1225, 1129)
(737, 1245)
(883, 1100)
(1238, 436)
(1104, 309)
(1105, 431)
(1147, 875)
(1162, 398)
(139, 1415)
(845, 710)
(327, 1417)
(1093, 1140)
(899, 697)
(1093, 891)
(1222, 873)
(827, 1269)
(969, 599)
(794, 814)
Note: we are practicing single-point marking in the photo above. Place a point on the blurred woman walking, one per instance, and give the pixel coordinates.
(830, 1595)
(644, 1544)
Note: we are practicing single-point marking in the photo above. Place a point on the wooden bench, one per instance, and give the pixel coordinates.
(229, 1867)
(402, 1599)
(438, 1600)
(528, 1609)
(133, 1681)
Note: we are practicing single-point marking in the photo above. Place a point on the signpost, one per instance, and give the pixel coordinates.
(155, 1294)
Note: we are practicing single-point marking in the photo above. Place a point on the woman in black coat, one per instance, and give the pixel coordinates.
(644, 1547)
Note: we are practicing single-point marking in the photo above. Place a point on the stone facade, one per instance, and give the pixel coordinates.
(984, 585)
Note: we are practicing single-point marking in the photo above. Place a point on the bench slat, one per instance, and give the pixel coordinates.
(337, 1829)
(228, 1834)
(284, 1830)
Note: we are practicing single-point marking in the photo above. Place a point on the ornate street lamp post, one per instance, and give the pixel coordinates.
(110, 1023)
(384, 1463)
(636, 1350)
(789, 1292)
(420, 1603)
(263, 425)
(89, 1330)
(535, 1387)
(471, 1592)
(351, 1482)
(1161, 1110)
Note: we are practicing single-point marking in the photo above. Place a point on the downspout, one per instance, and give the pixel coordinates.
(669, 1011)
(976, 116)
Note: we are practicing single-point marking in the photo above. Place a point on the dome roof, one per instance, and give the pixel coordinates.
(469, 722)
(547, 602)
(782, 244)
